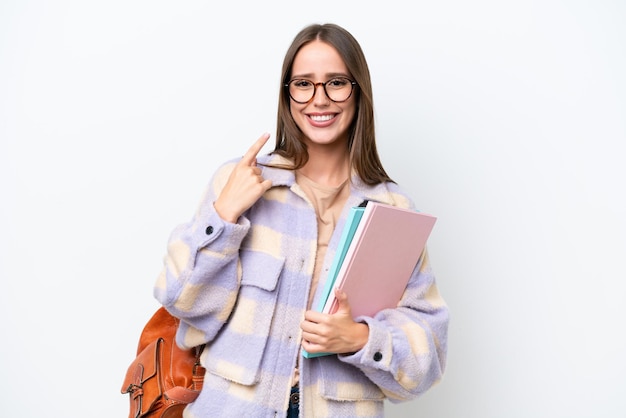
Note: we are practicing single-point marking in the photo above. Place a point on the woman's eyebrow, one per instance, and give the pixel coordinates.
(328, 76)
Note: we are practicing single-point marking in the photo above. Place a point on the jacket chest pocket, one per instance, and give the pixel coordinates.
(236, 353)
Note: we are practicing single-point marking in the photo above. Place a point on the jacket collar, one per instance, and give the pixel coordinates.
(360, 191)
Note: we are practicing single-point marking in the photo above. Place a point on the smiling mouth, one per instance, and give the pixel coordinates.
(321, 118)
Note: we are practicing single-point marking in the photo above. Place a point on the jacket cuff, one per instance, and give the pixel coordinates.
(209, 228)
(377, 352)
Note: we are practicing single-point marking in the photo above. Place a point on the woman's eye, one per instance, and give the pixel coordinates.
(337, 82)
(302, 84)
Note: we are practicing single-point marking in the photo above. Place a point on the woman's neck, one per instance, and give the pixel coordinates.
(328, 167)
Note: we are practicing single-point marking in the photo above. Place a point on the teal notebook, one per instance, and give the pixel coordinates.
(354, 217)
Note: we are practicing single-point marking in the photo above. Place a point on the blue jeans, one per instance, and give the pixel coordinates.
(294, 403)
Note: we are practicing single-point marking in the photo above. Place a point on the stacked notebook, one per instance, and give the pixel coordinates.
(378, 251)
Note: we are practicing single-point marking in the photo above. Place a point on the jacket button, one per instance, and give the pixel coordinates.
(378, 356)
(209, 230)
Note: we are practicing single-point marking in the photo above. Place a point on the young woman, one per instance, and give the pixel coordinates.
(244, 272)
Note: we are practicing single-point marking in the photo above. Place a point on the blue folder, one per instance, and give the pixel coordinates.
(354, 217)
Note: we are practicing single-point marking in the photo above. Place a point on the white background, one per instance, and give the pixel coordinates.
(506, 119)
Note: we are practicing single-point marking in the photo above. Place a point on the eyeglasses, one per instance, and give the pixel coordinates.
(338, 89)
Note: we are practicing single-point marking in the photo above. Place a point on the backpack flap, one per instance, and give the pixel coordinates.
(142, 381)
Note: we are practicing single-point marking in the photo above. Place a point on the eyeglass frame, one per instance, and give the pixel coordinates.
(352, 84)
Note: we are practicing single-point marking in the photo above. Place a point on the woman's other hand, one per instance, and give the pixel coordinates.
(336, 333)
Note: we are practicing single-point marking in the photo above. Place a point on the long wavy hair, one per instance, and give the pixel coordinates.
(364, 157)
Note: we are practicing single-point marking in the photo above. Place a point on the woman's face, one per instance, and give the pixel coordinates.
(323, 121)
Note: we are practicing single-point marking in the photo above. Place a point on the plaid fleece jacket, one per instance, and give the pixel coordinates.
(243, 288)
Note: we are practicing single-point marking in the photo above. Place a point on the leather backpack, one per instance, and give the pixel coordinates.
(163, 378)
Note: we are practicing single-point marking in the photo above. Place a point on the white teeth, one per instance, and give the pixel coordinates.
(322, 118)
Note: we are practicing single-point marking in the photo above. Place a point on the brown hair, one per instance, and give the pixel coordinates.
(361, 136)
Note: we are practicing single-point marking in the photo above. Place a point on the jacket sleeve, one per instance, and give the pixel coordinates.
(407, 347)
(201, 274)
